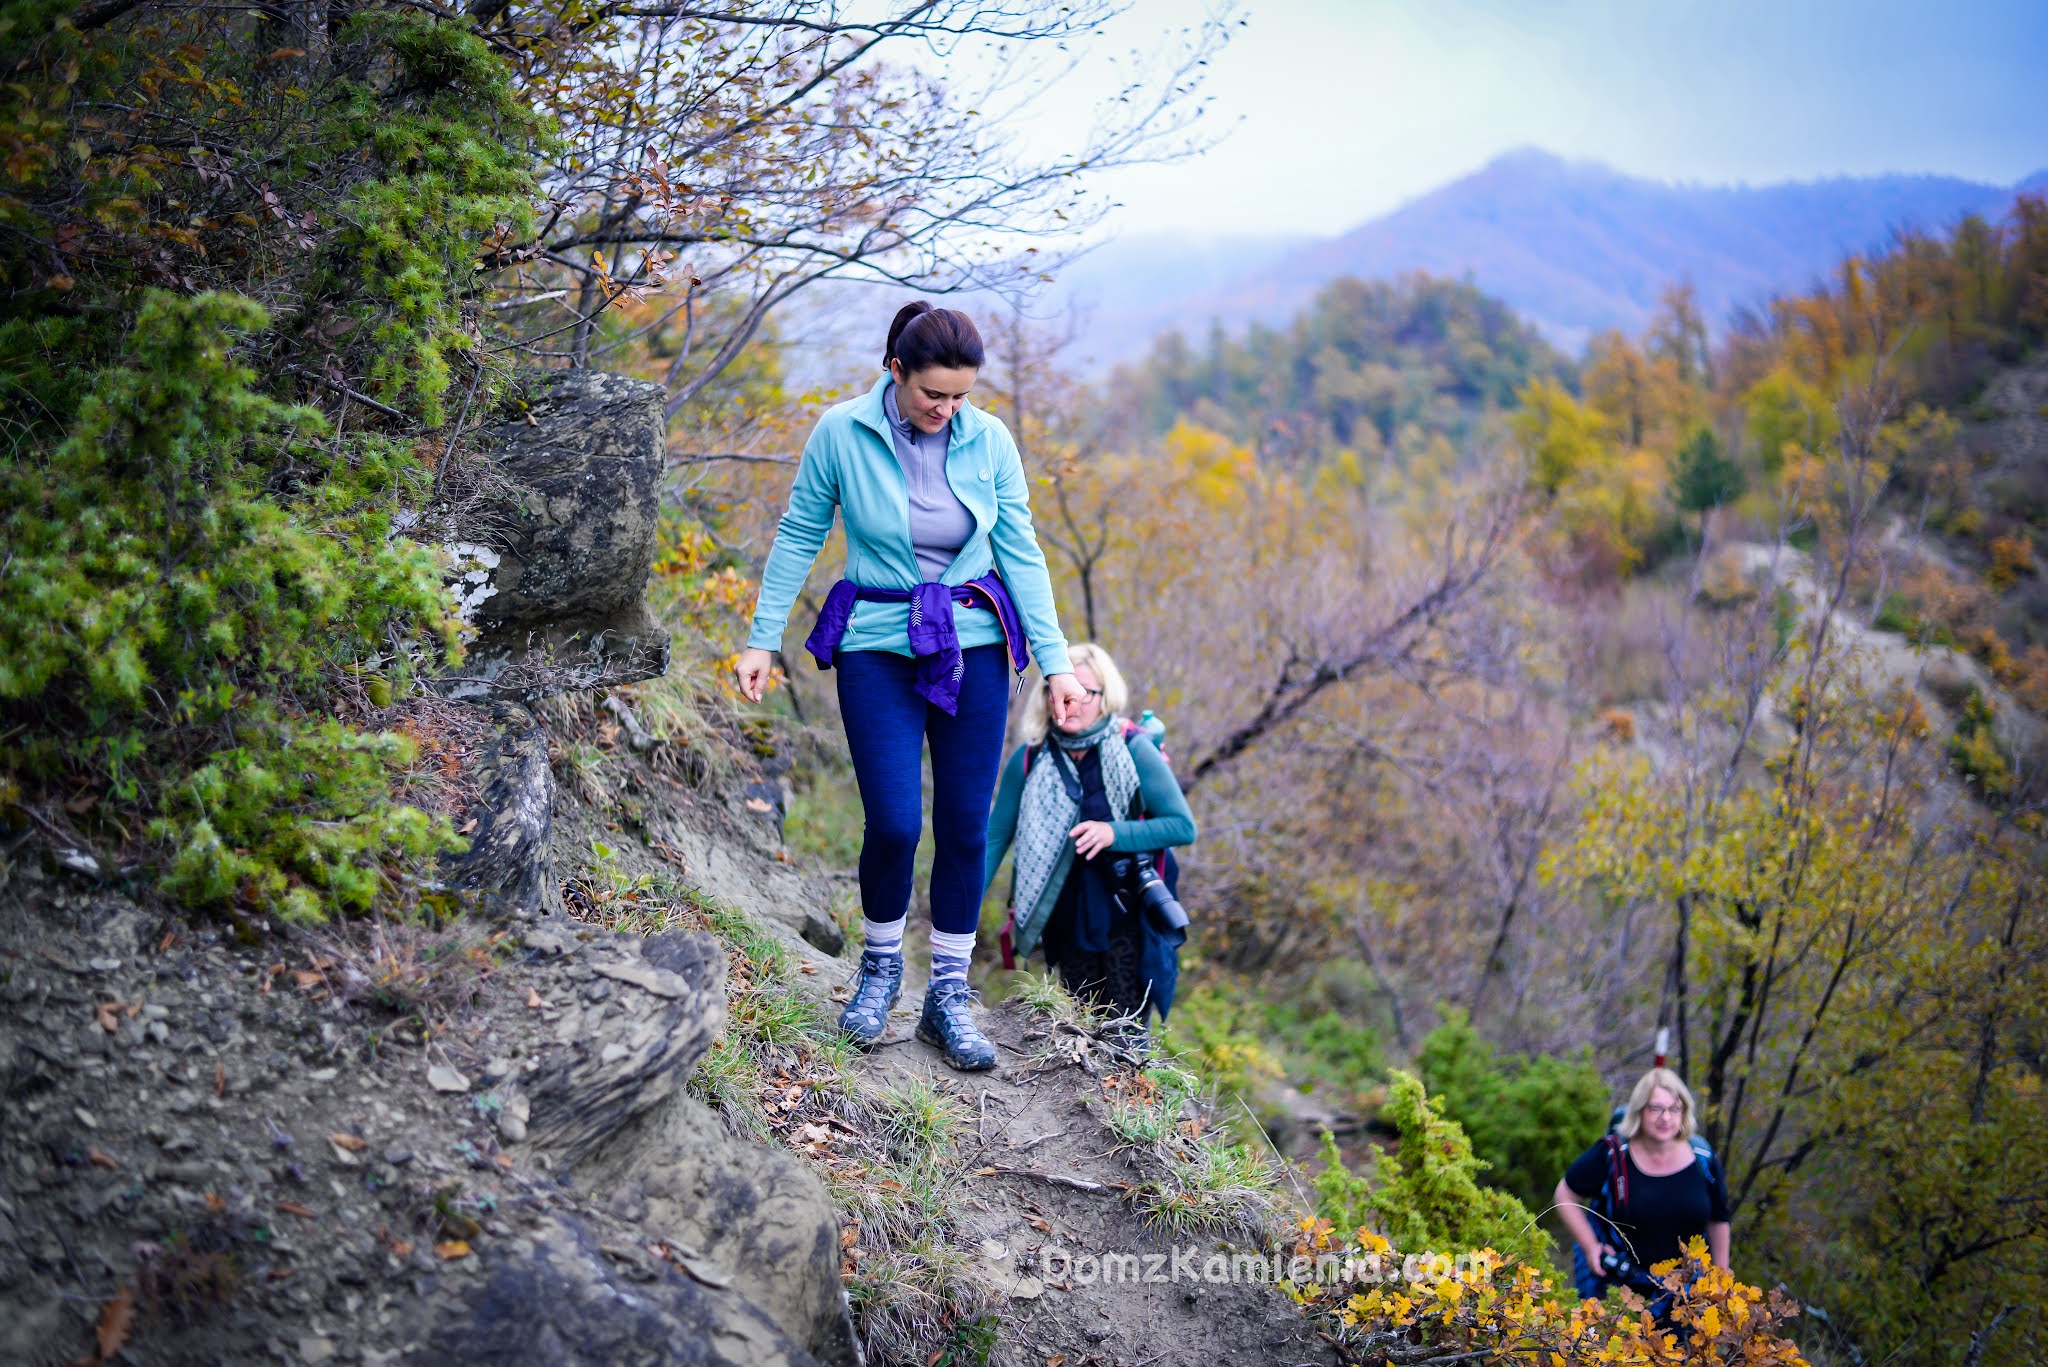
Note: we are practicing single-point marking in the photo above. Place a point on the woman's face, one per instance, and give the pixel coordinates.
(1088, 711)
(1663, 1115)
(929, 398)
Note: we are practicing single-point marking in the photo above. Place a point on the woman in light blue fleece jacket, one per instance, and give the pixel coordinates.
(945, 587)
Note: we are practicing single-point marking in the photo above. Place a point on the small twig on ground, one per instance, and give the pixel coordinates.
(69, 1256)
(1057, 1179)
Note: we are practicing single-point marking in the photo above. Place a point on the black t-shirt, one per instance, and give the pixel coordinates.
(1661, 1212)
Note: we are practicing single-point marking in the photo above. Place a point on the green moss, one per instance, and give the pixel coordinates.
(192, 559)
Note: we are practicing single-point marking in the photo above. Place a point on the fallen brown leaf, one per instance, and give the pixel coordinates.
(306, 977)
(504, 1162)
(849, 1236)
(1056, 1360)
(401, 1248)
(453, 1249)
(215, 1202)
(807, 968)
(755, 804)
(220, 1078)
(109, 1016)
(294, 1208)
(352, 1143)
(101, 1159)
(117, 1317)
(533, 1000)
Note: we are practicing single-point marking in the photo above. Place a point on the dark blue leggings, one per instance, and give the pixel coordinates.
(887, 725)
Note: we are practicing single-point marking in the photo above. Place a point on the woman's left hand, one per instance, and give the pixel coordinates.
(1092, 837)
(1066, 694)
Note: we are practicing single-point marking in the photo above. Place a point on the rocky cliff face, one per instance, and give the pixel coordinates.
(556, 579)
(401, 1142)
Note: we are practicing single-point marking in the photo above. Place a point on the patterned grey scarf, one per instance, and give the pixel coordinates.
(1047, 813)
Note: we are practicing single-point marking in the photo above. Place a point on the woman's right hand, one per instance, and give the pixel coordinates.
(752, 670)
(1596, 1257)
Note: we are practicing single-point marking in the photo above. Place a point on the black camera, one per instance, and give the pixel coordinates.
(1621, 1269)
(1139, 872)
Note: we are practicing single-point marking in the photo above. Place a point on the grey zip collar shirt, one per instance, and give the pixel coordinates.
(939, 522)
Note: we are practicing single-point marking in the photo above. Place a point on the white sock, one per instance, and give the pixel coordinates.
(883, 937)
(950, 954)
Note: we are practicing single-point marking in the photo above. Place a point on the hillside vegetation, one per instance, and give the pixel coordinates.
(1370, 371)
(1686, 685)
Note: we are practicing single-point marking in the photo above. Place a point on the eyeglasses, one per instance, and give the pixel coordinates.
(1675, 1108)
(1094, 693)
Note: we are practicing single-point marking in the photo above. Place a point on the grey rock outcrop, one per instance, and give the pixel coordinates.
(507, 864)
(565, 1306)
(745, 1215)
(623, 1054)
(560, 600)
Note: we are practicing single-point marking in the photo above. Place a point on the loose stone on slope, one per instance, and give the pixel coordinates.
(445, 1079)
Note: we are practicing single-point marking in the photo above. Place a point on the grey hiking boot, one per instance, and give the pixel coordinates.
(880, 983)
(947, 1023)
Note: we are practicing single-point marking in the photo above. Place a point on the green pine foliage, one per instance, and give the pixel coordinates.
(201, 219)
(1527, 1117)
(1976, 750)
(454, 180)
(1703, 477)
(1426, 1196)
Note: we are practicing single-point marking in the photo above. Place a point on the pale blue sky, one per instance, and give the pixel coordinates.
(1342, 109)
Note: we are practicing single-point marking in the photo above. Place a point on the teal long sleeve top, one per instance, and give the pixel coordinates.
(850, 469)
(1168, 821)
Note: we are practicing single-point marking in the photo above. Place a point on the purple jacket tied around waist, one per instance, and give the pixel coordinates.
(933, 639)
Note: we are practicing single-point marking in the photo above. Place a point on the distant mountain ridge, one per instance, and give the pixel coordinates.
(1574, 246)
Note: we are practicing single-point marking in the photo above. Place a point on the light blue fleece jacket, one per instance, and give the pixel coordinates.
(849, 465)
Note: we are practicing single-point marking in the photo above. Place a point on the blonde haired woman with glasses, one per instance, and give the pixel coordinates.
(1634, 1199)
(1085, 799)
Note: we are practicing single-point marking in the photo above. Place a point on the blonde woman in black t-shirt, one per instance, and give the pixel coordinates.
(1637, 1196)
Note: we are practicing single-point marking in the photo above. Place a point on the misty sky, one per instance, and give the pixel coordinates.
(1342, 109)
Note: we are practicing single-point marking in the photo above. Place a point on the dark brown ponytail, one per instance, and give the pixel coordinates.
(922, 336)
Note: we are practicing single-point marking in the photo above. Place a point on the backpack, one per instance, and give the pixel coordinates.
(1590, 1281)
(1169, 868)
